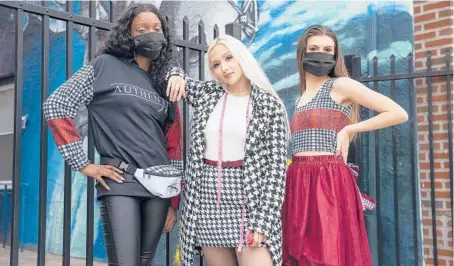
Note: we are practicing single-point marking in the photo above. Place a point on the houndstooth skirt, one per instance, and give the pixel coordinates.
(220, 227)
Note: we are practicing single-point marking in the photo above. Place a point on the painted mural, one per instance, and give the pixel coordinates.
(271, 30)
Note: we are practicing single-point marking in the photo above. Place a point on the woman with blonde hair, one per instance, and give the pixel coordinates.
(323, 221)
(235, 174)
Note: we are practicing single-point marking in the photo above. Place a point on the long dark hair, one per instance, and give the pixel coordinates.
(339, 70)
(120, 43)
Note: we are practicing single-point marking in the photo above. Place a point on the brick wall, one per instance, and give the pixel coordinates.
(433, 31)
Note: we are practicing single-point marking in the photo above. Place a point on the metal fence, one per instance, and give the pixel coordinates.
(374, 158)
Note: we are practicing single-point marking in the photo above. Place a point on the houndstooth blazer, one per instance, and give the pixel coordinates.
(264, 165)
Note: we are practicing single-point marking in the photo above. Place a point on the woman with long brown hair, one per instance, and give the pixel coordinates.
(323, 221)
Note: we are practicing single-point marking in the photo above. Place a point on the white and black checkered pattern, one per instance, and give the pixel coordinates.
(177, 163)
(314, 139)
(220, 228)
(74, 154)
(367, 201)
(263, 182)
(65, 102)
(66, 99)
(323, 99)
(163, 170)
(318, 139)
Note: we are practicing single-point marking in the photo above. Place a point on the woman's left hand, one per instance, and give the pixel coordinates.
(171, 219)
(343, 143)
(176, 88)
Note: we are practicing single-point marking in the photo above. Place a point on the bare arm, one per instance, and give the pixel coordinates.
(389, 112)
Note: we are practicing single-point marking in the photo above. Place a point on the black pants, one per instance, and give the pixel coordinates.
(132, 228)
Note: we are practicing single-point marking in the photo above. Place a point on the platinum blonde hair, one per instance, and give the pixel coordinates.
(249, 66)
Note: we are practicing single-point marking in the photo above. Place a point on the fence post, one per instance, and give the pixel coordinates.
(233, 29)
(353, 64)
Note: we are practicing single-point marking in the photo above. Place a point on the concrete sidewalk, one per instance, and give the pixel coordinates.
(29, 258)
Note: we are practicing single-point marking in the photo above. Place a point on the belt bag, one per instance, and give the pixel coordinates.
(162, 180)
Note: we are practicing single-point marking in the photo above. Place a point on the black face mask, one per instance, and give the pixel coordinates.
(150, 44)
(319, 64)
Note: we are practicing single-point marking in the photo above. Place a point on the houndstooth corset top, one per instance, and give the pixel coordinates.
(315, 124)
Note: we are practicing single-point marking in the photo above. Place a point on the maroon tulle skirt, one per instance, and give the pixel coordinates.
(323, 220)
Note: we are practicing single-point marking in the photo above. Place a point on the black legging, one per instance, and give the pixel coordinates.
(132, 228)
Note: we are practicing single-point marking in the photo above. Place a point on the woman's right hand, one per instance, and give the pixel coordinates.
(343, 143)
(98, 171)
(176, 88)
